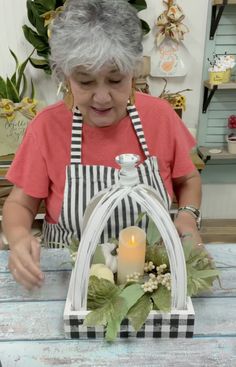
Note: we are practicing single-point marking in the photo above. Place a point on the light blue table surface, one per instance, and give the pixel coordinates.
(32, 335)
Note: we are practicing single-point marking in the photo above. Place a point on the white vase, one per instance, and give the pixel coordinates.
(231, 146)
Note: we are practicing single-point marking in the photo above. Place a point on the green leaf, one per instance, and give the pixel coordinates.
(21, 70)
(39, 21)
(3, 88)
(140, 311)
(99, 316)
(131, 294)
(138, 4)
(24, 87)
(98, 257)
(32, 37)
(12, 93)
(48, 71)
(45, 53)
(157, 254)
(32, 94)
(140, 217)
(39, 63)
(201, 271)
(203, 274)
(47, 4)
(110, 314)
(30, 14)
(15, 58)
(187, 248)
(35, 9)
(100, 291)
(74, 244)
(145, 27)
(13, 79)
(111, 304)
(153, 235)
(162, 298)
(116, 316)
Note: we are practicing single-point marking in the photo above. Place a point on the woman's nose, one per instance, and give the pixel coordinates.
(102, 95)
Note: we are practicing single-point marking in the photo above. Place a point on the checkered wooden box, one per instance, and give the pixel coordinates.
(177, 323)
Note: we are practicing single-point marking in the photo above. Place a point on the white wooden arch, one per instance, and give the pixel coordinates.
(100, 209)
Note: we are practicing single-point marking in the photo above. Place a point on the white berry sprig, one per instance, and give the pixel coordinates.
(134, 277)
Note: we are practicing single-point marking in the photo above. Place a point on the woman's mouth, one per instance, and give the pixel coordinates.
(101, 111)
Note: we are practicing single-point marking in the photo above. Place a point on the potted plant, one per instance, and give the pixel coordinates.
(17, 107)
(231, 137)
(40, 14)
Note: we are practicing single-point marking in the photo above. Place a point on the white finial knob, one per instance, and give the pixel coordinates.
(128, 171)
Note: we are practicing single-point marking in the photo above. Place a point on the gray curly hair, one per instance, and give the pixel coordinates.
(93, 33)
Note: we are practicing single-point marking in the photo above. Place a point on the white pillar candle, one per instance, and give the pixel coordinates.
(131, 253)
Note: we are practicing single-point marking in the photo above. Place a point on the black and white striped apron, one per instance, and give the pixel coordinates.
(84, 181)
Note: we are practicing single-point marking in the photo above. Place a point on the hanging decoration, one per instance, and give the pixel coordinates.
(171, 52)
(170, 24)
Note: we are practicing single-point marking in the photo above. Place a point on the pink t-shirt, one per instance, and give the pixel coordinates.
(39, 166)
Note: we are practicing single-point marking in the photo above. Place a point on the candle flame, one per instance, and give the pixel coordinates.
(132, 241)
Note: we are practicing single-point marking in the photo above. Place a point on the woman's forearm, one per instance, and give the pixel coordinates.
(19, 211)
(188, 190)
(17, 221)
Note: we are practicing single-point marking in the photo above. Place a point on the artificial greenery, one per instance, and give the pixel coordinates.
(14, 88)
(110, 303)
(40, 14)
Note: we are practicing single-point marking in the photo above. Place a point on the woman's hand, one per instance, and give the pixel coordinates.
(186, 225)
(24, 262)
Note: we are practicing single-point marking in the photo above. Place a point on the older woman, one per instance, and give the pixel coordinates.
(68, 152)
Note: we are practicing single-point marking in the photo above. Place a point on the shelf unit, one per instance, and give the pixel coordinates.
(209, 91)
(218, 7)
(218, 101)
(223, 2)
(205, 154)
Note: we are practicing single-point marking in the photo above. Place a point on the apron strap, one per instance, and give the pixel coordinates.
(76, 139)
(134, 116)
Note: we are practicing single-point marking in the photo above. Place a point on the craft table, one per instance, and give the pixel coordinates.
(32, 335)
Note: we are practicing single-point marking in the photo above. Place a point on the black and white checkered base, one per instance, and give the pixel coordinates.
(176, 324)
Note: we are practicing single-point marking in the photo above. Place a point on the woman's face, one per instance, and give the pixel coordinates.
(102, 96)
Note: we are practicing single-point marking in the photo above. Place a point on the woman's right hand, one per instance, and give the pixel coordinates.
(24, 262)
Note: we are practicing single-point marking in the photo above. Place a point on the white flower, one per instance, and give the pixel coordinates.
(102, 271)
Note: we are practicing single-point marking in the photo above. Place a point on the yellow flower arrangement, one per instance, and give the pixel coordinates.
(12, 93)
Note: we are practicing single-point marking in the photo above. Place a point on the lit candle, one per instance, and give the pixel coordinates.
(131, 254)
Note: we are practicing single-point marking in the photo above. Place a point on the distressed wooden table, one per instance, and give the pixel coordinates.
(31, 324)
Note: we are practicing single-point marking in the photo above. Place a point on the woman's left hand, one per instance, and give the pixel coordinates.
(186, 225)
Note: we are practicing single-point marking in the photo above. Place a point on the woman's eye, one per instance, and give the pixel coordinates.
(86, 83)
(115, 81)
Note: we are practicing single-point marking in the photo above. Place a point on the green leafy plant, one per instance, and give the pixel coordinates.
(110, 303)
(14, 88)
(40, 14)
